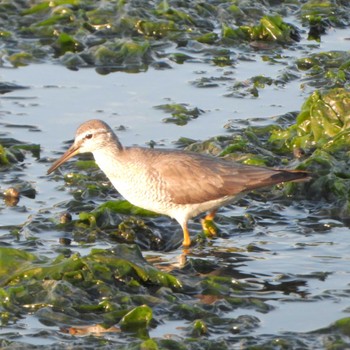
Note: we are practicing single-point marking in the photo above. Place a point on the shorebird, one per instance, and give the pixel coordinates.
(176, 183)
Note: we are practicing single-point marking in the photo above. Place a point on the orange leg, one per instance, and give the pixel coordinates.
(187, 239)
(211, 215)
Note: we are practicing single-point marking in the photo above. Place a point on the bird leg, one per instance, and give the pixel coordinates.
(187, 239)
(211, 215)
(208, 224)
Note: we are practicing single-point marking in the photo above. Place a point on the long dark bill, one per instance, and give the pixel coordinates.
(71, 152)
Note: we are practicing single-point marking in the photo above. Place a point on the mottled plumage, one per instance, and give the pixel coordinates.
(171, 182)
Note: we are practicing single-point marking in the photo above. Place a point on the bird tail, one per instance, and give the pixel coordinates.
(291, 176)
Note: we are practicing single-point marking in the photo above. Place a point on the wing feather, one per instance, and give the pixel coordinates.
(189, 178)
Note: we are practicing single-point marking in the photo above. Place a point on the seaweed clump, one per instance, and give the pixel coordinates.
(130, 36)
(322, 130)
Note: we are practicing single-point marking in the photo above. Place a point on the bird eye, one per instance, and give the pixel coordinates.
(88, 136)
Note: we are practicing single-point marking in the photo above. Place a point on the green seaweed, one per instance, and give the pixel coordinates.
(208, 38)
(33, 148)
(13, 260)
(155, 29)
(270, 28)
(4, 34)
(315, 11)
(199, 328)
(120, 206)
(322, 122)
(343, 325)
(21, 59)
(322, 131)
(23, 273)
(164, 24)
(65, 43)
(109, 287)
(173, 14)
(250, 87)
(149, 344)
(3, 156)
(181, 114)
(326, 70)
(121, 53)
(109, 216)
(56, 19)
(137, 318)
(45, 5)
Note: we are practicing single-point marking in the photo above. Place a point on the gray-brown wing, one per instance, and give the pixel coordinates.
(194, 178)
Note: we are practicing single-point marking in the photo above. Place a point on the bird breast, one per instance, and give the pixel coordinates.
(134, 178)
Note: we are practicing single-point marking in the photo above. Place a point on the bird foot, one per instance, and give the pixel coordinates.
(209, 227)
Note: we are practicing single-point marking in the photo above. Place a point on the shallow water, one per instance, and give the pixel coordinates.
(301, 268)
